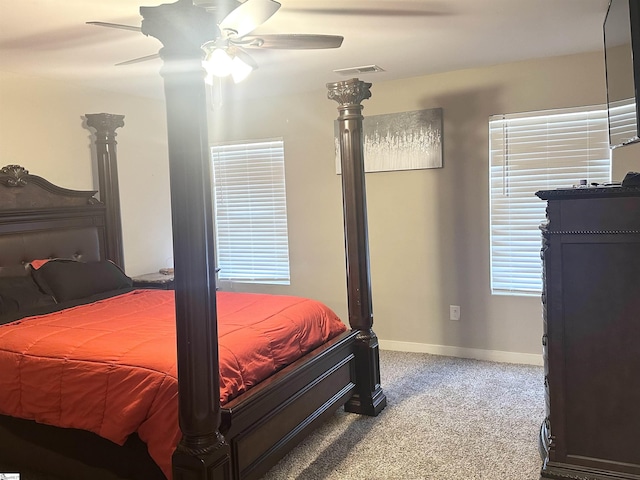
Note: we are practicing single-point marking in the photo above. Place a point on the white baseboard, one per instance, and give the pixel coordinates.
(475, 353)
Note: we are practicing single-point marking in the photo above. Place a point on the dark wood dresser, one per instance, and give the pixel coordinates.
(591, 341)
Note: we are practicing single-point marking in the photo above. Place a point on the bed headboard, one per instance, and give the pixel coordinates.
(41, 220)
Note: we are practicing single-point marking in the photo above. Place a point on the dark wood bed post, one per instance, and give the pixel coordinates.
(105, 125)
(369, 398)
(202, 453)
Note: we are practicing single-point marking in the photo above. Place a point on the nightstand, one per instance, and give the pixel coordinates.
(156, 280)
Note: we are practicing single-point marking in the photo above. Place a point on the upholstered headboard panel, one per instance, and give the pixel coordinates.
(17, 250)
(39, 220)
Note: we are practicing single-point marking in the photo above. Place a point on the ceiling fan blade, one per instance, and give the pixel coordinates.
(248, 16)
(293, 41)
(139, 59)
(116, 25)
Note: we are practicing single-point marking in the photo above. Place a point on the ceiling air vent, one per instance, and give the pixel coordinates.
(356, 70)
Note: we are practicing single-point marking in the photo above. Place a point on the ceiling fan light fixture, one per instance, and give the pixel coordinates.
(222, 63)
(225, 54)
(219, 63)
(240, 69)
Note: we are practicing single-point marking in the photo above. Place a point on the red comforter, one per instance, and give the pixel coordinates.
(110, 367)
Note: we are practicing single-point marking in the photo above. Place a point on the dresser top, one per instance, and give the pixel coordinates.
(589, 192)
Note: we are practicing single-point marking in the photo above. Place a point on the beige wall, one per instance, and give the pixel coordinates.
(41, 128)
(429, 236)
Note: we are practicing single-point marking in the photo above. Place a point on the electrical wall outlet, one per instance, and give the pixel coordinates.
(454, 312)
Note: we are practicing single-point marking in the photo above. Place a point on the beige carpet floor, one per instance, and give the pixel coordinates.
(446, 419)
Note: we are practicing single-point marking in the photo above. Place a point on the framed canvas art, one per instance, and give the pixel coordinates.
(400, 141)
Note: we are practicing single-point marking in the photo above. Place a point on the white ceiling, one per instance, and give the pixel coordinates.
(49, 38)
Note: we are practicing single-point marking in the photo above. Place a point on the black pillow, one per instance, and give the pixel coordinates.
(72, 280)
(19, 294)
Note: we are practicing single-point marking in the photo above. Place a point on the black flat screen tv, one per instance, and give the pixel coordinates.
(622, 64)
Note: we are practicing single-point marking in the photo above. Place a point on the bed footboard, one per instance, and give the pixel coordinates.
(266, 423)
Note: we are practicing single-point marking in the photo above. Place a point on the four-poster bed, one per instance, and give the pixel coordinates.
(247, 435)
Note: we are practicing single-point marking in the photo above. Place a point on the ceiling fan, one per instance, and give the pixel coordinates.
(226, 55)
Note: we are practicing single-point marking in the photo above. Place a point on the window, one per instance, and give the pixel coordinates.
(250, 212)
(530, 152)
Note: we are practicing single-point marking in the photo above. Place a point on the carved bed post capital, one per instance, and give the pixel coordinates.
(105, 125)
(369, 398)
(203, 453)
(349, 92)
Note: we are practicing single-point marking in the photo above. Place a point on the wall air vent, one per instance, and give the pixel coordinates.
(357, 70)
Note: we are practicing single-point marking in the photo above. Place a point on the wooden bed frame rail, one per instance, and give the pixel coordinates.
(297, 400)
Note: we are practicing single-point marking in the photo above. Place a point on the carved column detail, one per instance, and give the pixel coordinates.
(369, 398)
(202, 453)
(105, 125)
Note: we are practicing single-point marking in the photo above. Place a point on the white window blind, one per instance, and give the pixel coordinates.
(530, 152)
(250, 212)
